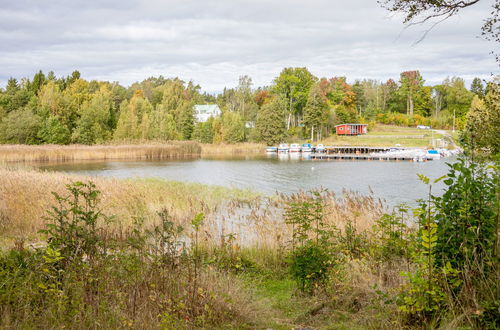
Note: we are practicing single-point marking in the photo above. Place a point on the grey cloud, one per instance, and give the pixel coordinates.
(214, 42)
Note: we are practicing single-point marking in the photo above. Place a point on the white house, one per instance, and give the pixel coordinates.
(205, 111)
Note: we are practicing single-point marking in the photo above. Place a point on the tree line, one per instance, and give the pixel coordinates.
(52, 110)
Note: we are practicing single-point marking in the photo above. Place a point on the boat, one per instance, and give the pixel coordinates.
(320, 148)
(272, 149)
(294, 147)
(433, 154)
(420, 156)
(283, 147)
(307, 147)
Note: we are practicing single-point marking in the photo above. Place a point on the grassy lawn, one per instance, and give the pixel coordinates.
(388, 136)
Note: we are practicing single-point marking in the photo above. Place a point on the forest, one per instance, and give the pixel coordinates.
(46, 109)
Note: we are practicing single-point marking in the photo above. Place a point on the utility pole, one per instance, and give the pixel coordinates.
(453, 120)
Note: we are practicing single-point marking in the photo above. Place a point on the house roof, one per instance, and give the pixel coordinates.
(206, 108)
(350, 124)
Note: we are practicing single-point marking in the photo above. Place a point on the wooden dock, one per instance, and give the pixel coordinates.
(325, 156)
(354, 150)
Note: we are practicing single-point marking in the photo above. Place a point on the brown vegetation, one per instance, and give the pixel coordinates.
(45, 153)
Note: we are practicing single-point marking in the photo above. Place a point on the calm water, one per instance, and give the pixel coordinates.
(395, 182)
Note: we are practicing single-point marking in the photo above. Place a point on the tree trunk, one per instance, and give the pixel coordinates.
(312, 133)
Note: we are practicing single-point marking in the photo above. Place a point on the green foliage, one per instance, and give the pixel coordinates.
(467, 214)
(483, 121)
(353, 242)
(456, 257)
(293, 85)
(315, 111)
(204, 132)
(53, 131)
(73, 227)
(392, 235)
(309, 265)
(233, 128)
(311, 255)
(20, 126)
(95, 115)
(477, 87)
(271, 123)
(297, 103)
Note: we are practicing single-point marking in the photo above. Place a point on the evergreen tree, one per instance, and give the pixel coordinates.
(271, 123)
(315, 111)
(233, 127)
(477, 87)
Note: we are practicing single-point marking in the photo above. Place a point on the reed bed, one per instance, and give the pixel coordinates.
(232, 149)
(255, 220)
(61, 153)
(25, 197)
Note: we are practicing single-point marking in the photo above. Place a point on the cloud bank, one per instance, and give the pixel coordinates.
(213, 42)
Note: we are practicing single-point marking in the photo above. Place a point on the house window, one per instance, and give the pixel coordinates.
(341, 128)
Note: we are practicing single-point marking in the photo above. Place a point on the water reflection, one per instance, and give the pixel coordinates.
(394, 181)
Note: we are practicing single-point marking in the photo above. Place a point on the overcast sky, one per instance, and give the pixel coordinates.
(213, 42)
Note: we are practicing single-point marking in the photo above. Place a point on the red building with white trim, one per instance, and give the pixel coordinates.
(351, 129)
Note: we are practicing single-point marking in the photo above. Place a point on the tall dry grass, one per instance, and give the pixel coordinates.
(232, 149)
(45, 153)
(26, 195)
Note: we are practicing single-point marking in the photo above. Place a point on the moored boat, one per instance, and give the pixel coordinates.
(320, 148)
(283, 147)
(433, 154)
(272, 149)
(307, 147)
(294, 147)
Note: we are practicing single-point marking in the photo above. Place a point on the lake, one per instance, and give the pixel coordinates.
(394, 181)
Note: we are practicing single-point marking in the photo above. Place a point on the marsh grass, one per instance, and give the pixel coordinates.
(232, 149)
(61, 153)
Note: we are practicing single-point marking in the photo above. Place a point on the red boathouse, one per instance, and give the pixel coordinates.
(351, 129)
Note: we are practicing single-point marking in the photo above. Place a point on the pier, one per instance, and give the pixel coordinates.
(339, 156)
(354, 150)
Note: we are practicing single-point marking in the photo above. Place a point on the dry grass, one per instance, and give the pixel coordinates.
(45, 153)
(25, 197)
(232, 149)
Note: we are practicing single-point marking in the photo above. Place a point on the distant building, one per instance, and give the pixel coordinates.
(205, 111)
(250, 124)
(351, 129)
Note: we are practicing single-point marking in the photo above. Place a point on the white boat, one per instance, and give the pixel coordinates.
(420, 156)
(307, 147)
(272, 149)
(433, 154)
(320, 148)
(283, 147)
(294, 147)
